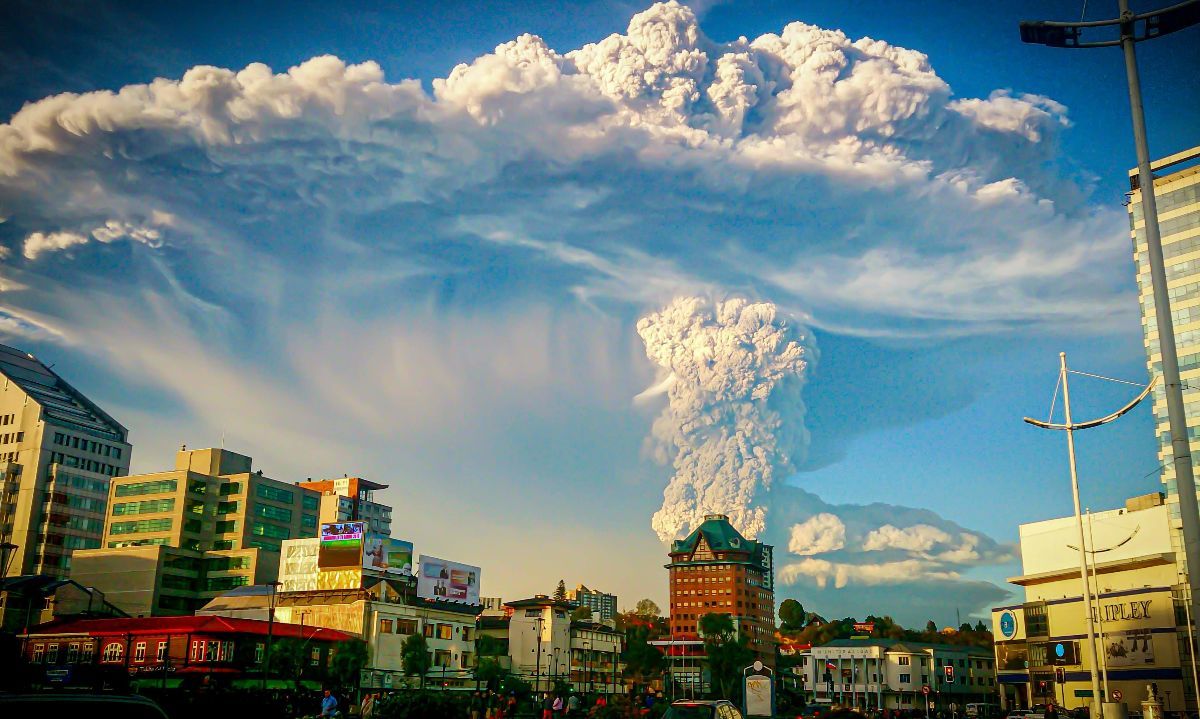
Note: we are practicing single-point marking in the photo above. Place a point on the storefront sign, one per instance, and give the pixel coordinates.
(1123, 612)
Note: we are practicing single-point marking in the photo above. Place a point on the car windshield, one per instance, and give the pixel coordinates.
(690, 711)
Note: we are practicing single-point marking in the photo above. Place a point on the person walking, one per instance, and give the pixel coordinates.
(476, 706)
(573, 705)
(556, 707)
(329, 705)
(547, 706)
(367, 710)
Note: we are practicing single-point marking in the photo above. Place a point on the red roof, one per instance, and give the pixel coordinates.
(186, 625)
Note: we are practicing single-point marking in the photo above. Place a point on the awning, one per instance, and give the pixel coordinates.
(275, 684)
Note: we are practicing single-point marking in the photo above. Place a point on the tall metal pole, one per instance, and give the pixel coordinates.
(1185, 480)
(1097, 699)
(1099, 615)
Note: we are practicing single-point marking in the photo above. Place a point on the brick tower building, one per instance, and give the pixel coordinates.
(717, 570)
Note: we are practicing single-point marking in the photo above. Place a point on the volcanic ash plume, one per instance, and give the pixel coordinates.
(734, 418)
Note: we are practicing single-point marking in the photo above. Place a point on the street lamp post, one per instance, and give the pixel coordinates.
(274, 586)
(537, 671)
(587, 675)
(1153, 24)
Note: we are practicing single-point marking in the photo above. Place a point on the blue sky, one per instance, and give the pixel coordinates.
(436, 285)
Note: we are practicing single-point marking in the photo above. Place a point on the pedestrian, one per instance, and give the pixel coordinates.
(573, 705)
(476, 706)
(547, 706)
(556, 707)
(367, 710)
(329, 705)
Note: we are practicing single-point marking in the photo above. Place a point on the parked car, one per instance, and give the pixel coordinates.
(93, 706)
(702, 709)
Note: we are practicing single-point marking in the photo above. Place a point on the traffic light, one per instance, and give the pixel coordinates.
(949, 669)
(1060, 675)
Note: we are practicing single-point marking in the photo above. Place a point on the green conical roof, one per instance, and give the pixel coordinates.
(718, 533)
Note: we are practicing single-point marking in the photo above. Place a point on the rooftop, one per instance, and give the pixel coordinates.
(61, 403)
(902, 645)
(183, 625)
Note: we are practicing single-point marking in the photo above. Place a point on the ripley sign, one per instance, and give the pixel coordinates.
(1125, 611)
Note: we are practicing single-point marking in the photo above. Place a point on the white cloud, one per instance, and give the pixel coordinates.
(39, 243)
(917, 538)
(819, 534)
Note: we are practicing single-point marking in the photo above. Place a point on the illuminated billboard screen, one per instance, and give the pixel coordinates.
(341, 545)
(447, 581)
(388, 555)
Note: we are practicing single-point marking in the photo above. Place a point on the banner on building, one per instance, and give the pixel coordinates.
(448, 581)
(1130, 648)
(341, 545)
(867, 627)
(385, 554)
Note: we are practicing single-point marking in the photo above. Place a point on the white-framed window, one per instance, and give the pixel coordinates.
(162, 652)
(52, 653)
(197, 650)
(89, 652)
(72, 652)
(258, 653)
(38, 651)
(113, 652)
(314, 657)
(903, 661)
(905, 678)
(139, 652)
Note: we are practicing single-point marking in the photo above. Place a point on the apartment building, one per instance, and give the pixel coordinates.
(352, 499)
(716, 570)
(602, 604)
(1177, 196)
(58, 450)
(174, 540)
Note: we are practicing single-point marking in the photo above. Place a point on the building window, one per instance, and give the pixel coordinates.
(89, 652)
(72, 652)
(275, 514)
(271, 530)
(139, 652)
(258, 653)
(162, 652)
(445, 631)
(385, 626)
(38, 650)
(428, 630)
(905, 678)
(113, 652)
(406, 626)
(311, 501)
(274, 494)
(160, 486)
(146, 506)
(140, 526)
(314, 657)
(902, 661)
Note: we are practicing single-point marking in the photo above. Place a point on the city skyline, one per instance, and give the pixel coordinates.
(475, 286)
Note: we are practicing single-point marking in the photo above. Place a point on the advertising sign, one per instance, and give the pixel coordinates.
(1062, 653)
(758, 696)
(388, 555)
(1131, 648)
(341, 545)
(867, 627)
(448, 581)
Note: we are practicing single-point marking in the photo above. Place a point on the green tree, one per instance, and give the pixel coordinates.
(964, 627)
(414, 657)
(726, 654)
(647, 608)
(349, 659)
(288, 659)
(581, 614)
(791, 615)
(560, 592)
(931, 627)
(979, 627)
(643, 662)
(488, 671)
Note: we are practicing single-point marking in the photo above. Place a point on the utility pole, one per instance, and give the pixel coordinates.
(270, 629)
(1070, 427)
(1152, 24)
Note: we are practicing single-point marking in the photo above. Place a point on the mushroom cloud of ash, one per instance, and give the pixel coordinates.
(733, 430)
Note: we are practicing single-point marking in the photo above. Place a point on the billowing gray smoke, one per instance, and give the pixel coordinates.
(734, 421)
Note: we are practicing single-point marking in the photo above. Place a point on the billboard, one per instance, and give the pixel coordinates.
(385, 554)
(448, 581)
(341, 545)
(1130, 648)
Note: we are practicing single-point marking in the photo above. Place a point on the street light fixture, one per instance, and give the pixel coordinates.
(1133, 29)
(273, 587)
